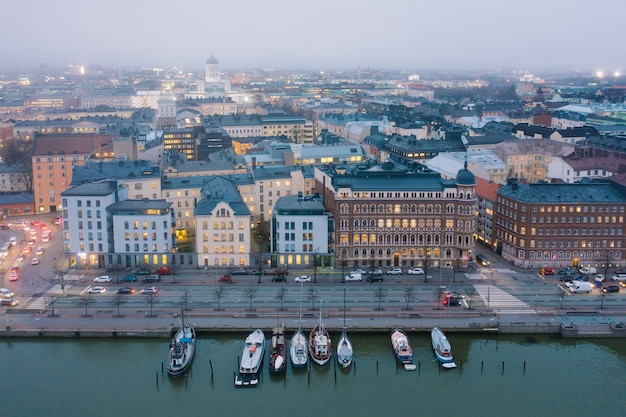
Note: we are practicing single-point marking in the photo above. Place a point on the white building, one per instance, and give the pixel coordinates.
(222, 225)
(86, 222)
(300, 230)
(142, 232)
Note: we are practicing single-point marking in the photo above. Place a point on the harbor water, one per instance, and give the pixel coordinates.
(496, 376)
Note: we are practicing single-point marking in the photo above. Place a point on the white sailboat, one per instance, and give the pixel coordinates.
(344, 346)
(320, 345)
(298, 349)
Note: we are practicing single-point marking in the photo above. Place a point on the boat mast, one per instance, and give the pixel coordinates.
(344, 310)
(300, 311)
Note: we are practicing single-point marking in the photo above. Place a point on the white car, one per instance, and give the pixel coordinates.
(620, 278)
(353, 277)
(416, 271)
(359, 271)
(599, 278)
(97, 290)
(150, 290)
(394, 271)
(303, 278)
(103, 278)
(40, 251)
(5, 292)
(34, 261)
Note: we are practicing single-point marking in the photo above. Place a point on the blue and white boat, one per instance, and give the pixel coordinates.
(182, 350)
(442, 348)
(251, 359)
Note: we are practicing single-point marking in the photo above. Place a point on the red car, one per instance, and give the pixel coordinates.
(163, 270)
(225, 278)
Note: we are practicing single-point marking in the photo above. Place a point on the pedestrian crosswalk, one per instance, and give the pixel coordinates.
(496, 298)
(495, 271)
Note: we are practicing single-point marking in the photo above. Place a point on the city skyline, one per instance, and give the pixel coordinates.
(400, 35)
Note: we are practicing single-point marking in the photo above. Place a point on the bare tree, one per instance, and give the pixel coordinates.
(185, 299)
(380, 294)
(250, 294)
(471, 293)
(312, 295)
(85, 300)
(409, 295)
(117, 268)
(219, 294)
(280, 295)
(118, 300)
(150, 301)
(174, 269)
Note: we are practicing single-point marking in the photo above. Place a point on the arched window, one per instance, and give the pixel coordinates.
(380, 252)
(343, 208)
(372, 208)
(405, 239)
(388, 239)
(412, 240)
(449, 208)
(420, 209)
(429, 239)
(356, 208)
(429, 208)
(437, 208)
(389, 208)
(413, 208)
(364, 223)
(364, 253)
(420, 239)
(355, 223)
(396, 239)
(388, 252)
(436, 239)
(372, 223)
(364, 208)
(405, 208)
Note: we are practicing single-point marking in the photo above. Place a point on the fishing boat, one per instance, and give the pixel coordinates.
(251, 359)
(278, 350)
(402, 349)
(442, 348)
(344, 346)
(320, 345)
(182, 350)
(298, 351)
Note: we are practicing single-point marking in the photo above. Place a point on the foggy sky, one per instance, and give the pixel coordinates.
(335, 34)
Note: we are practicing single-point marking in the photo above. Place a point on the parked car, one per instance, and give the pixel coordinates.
(239, 271)
(152, 278)
(280, 278)
(128, 278)
(567, 271)
(376, 271)
(611, 288)
(353, 276)
(97, 290)
(258, 272)
(150, 290)
(358, 271)
(375, 278)
(303, 278)
(549, 271)
(587, 270)
(599, 278)
(102, 278)
(225, 278)
(395, 271)
(566, 278)
(162, 270)
(141, 271)
(619, 277)
(416, 271)
(126, 290)
(281, 272)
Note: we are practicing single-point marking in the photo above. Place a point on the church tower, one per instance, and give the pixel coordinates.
(212, 70)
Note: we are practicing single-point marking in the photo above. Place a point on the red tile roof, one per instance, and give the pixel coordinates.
(487, 189)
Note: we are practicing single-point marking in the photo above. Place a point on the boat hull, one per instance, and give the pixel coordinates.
(298, 351)
(441, 346)
(278, 352)
(320, 345)
(182, 351)
(251, 360)
(402, 347)
(344, 351)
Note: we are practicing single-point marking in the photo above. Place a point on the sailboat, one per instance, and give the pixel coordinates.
(320, 345)
(344, 346)
(298, 349)
(182, 350)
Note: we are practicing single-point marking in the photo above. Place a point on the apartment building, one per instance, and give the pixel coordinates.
(386, 215)
(53, 159)
(222, 225)
(557, 225)
(300, 230)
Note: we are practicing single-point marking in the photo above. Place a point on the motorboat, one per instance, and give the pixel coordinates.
(182, 350)
(278, 350)
(298, 350)
(402, 349)
(251, 359)
(320, 345)
(344, 346)
(442, 348)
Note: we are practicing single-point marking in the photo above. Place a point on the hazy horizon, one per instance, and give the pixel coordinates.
(398, 34)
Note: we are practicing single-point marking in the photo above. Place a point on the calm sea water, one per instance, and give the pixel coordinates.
(497, 376)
